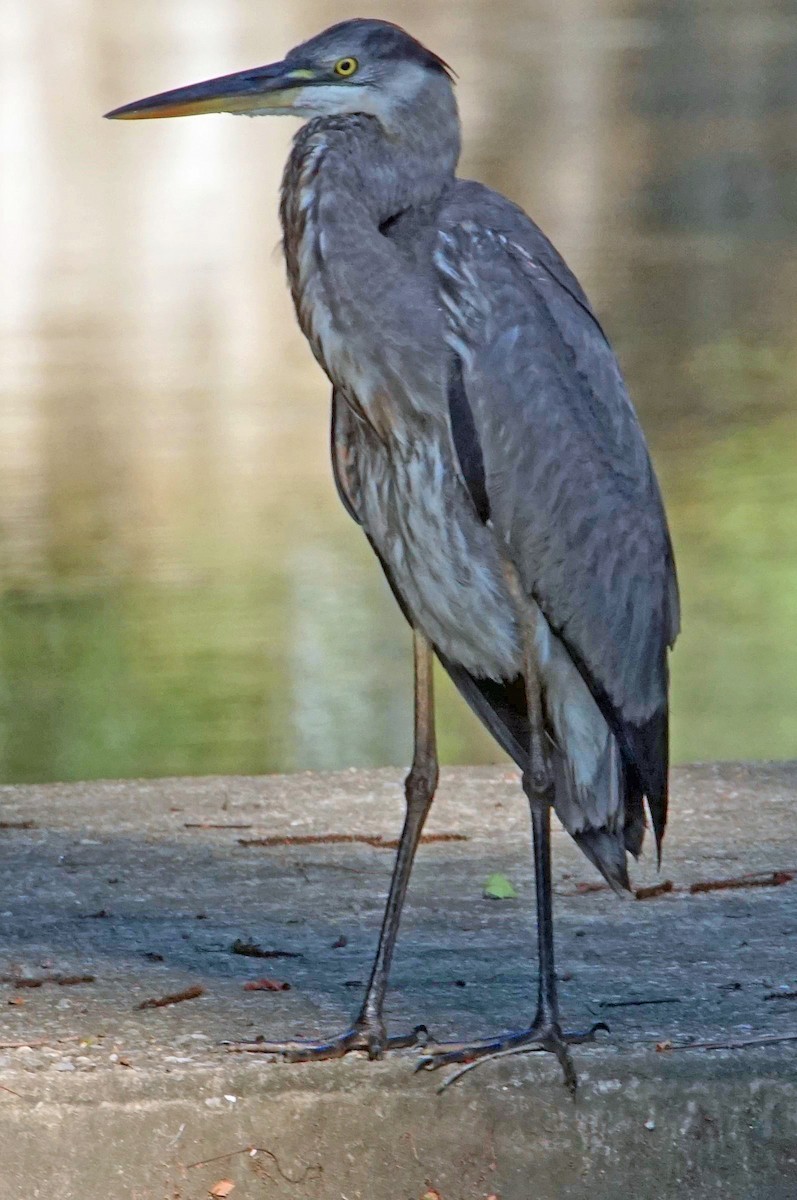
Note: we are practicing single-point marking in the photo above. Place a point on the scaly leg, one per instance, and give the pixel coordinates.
(545, 1032)
(368, 1030)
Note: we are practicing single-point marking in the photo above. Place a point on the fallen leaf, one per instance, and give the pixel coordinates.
(222, 1189)
(17, 1001)
(662, 1046)
(431, 1194)
(498, 887)
(267, 985)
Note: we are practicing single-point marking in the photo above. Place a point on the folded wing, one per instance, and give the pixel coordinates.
(554, 457)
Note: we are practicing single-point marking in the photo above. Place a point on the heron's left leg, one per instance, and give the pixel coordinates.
(368, 1030)
(419, 790)
(545, 1032)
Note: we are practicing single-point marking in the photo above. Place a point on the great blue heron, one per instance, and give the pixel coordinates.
(483, 438)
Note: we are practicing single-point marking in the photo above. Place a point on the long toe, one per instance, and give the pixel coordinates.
(537, 1038)
(370, 1041)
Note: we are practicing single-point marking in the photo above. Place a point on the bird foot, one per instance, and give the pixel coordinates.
(369, 1039)
(541, 1036)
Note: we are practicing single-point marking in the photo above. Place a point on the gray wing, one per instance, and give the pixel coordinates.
(566, 471)
(344, 456)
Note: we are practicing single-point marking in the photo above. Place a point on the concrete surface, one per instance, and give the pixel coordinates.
(120, 881)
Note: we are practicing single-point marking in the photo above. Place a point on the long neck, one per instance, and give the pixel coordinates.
(345, 177)
(359, 296)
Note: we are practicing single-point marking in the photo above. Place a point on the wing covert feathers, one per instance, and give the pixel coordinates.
(567, 476)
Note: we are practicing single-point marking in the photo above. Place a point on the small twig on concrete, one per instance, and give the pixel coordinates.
(667, 887)
(206, 1162)
(637, 1003)
(760, 879)
(334, 839)
(210, 825)
(190, 993)
(22, 981)
(252, 950)
(585, 888)
(267, 985)
(313, 1170)
(17, 825)
(658, 889)
(781, 996)
(252, 1151)
(3, 1088)
(735, 1043)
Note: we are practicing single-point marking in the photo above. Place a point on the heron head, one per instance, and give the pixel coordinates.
(358, 66)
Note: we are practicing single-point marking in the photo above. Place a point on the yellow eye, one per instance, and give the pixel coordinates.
(346, 67)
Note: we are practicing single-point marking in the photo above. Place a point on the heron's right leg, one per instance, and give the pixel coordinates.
(368, 1030)
(545, 1031)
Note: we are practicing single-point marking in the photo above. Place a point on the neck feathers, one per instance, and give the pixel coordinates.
(360, 295)
(346, 180)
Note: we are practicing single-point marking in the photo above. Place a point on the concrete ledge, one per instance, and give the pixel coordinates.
(131, 883)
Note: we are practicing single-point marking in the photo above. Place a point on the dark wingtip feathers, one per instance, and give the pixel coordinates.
(649, 747)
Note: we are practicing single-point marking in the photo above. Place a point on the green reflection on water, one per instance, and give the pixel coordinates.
(300, 668)
(733, 507)
(178, 590)
(307, 665)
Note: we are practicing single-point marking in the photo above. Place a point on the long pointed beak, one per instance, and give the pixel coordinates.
(272, 89)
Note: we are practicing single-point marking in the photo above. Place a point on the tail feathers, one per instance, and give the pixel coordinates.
(607, 817)
(606, 851)
(635, 824)
(604, 816)
(648, 754)
(607, 847)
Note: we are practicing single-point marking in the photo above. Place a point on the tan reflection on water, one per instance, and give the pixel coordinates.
(181, 591)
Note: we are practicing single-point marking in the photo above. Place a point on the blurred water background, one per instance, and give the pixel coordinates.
(180, 590)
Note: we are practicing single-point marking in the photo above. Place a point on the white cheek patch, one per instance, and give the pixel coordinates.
(332, 99)
(322, 101)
